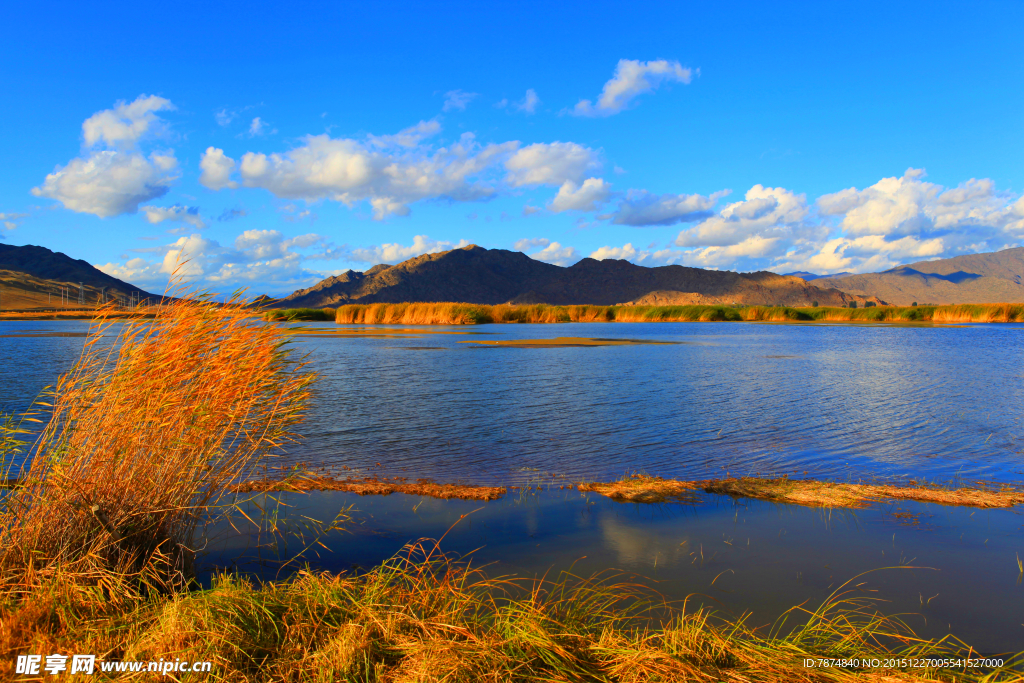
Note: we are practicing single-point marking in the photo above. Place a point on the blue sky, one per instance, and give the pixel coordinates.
(277, 144)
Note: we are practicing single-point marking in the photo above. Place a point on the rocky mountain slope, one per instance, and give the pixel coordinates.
(994, 277)
(492, 276)
(32, 277)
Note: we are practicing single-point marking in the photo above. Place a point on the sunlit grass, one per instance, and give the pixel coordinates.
(146, 433)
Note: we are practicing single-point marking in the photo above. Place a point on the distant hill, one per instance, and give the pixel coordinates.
(492, 276)
(994, 277)
(32, 277)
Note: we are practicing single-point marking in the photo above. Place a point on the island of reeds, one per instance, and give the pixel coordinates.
(148, 439)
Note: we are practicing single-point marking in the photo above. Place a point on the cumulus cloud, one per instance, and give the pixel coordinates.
(550, 164)
(586, 197)
(767, 212)
(351, 171)
(903, 219)
(528, 105)
(109, 183)
(909, 206)
(530, 210)
(187, 215)
(126, 123)
(265, 259)
(216, 169)
(632, 78)
(396, 253)
(543, 249)
(641, 208)
(457, 100)
(112, 177)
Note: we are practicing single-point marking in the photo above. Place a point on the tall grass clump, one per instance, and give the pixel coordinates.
(146, 433)
(300, 314)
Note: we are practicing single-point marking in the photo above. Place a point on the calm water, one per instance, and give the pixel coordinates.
(836, 401)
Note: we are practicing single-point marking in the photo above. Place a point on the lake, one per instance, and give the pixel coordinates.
(834, 401)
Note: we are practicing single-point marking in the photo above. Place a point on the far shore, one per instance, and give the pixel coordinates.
(446, 313)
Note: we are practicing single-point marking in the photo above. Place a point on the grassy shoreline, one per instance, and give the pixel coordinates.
(475, 314)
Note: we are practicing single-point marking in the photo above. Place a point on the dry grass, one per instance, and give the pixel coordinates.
(474, 314)
(421, 617)
(372, 486)
(145, 436)
(644, 489)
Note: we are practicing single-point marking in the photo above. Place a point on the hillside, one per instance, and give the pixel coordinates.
(491, 276)
(994, 277)
(32, 277)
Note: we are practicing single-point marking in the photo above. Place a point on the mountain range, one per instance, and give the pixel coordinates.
(994, 277)
(473, 274)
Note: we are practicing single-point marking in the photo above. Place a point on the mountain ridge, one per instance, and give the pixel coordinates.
(473, 274)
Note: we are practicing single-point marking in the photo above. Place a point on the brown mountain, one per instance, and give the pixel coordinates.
(491, 276)
(994, 277)
(33, 277)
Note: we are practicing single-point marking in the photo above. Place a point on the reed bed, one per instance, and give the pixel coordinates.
(477, 314)
(423, 617)
(300, 314)
(641, 488)
(146, 433)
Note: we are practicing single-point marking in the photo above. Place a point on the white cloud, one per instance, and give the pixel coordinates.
(216, 169)
(768, 212)
(396, 253)
(109, 183)
(586, 197)
(350, 171)
(530, 210)
(189, 216)
(10, 220)
(640, 208)
(409, 137)
(557, 254)
(125, 124)
(457, 100)
(224, 117)
(527, 244)
(114, 181)
(543, 249)
(550, 164)
(627, 252)
(909, 206)
(259, 127)
(264, 259)
(632, 78)
(528, 105)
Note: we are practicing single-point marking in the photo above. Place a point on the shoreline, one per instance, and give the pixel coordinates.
(644, 489)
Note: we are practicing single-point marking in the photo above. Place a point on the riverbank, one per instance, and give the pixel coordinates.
(477, 314)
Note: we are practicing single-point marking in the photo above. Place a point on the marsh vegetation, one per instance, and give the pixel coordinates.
(477, 314)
